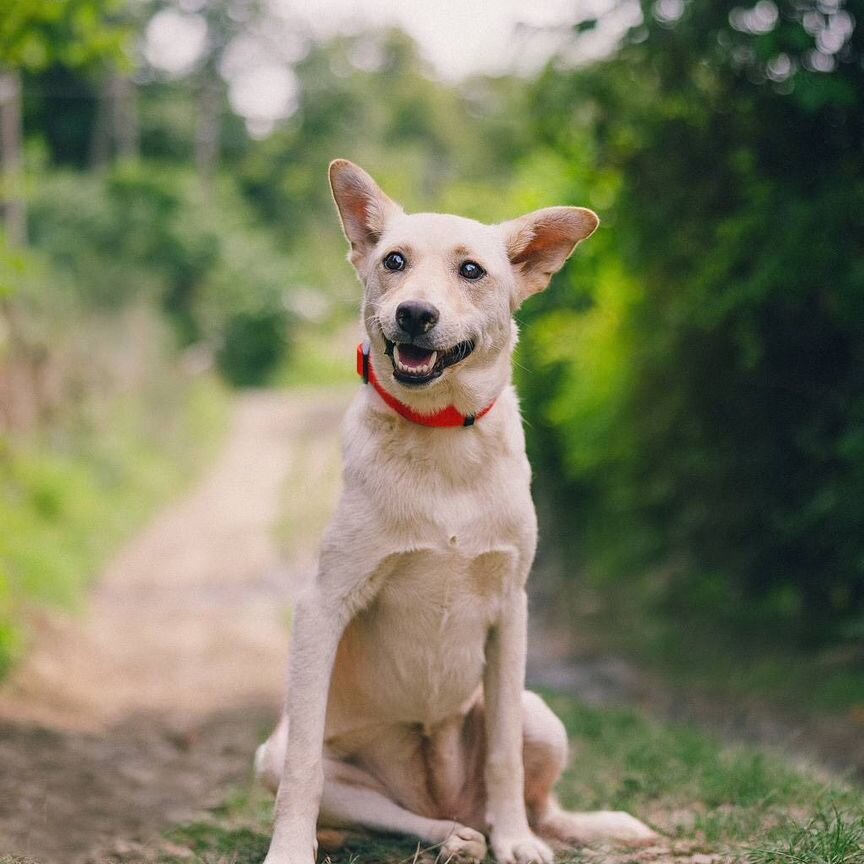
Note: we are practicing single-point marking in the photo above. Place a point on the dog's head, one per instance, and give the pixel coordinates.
(439, 290)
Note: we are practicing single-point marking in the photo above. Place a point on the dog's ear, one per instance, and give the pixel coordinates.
(539, 243)
(363, 207)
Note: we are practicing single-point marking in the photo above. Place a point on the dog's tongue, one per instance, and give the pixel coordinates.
(414, 357)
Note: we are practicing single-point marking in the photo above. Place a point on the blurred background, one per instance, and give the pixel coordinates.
(692, 383)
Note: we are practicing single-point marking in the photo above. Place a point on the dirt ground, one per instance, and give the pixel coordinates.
(145, 710)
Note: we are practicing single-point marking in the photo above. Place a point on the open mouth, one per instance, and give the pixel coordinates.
(415, 365)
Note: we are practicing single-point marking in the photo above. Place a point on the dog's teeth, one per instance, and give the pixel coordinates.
(414, 370)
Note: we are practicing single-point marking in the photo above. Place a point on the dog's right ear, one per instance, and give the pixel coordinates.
(539, 243)
(363, 208)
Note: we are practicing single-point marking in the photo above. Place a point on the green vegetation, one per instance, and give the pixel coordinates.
(704, 653)
(739, 803)
(68, 500)
(702, 408)
(151, 233)
(829, 838)
(321, 357)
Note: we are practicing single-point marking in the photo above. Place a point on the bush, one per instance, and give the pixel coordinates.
(142, 232)
(709, 421)
(251, 347)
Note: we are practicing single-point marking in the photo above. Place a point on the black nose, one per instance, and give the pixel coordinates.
(416, 317)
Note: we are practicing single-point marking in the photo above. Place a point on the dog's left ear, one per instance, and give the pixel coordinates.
(539, 243)
(363, 208)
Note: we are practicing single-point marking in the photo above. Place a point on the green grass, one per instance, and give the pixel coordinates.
(68, 499)
(698, 648)
(830, 837)
(708, 799)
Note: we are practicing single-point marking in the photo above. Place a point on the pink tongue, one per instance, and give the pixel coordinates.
(411, 355)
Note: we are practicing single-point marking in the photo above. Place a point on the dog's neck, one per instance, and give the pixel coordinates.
(468, 390)
(444, 418)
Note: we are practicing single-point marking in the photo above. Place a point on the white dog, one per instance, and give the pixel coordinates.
(406, 708)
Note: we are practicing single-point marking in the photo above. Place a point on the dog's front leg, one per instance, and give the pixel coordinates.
(319, 622)
(350, 571)
(511, 838)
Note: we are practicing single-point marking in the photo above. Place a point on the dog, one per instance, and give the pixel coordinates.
(406, 709)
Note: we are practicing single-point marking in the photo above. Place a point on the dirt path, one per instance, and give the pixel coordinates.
(144, 711)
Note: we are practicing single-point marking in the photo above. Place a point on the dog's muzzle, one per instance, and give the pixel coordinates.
(413, 364)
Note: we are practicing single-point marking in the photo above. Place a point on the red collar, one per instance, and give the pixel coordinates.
(447, 417)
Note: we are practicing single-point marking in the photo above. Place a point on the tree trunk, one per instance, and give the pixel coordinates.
(209, 128)
(124, 104)
(11, 160)
(115, 129)
(100, 132)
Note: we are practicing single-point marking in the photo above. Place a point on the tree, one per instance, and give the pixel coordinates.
(735, 452)
(33, 36)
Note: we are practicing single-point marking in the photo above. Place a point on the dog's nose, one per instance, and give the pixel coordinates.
(416, 317)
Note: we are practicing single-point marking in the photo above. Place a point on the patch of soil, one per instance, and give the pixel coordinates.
(85, 797)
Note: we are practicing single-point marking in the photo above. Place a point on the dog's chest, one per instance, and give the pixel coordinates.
(418, 650)
(443, 588)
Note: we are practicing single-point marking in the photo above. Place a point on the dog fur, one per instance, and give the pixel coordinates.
(406, 709)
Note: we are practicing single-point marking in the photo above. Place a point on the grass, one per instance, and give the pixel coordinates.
(701, 643)
(830, 837)
(696, 650)
(68, 499)
(712, 802)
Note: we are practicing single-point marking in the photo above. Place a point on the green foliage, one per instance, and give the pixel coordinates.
(370, 98)
(241, 844)
(627, 761)
(725, 449)
(75, 33)
(142, 231)
(694, 381)
(252, 347)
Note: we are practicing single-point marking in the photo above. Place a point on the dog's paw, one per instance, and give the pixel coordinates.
(463, 845)
(610, 825)
(273, 858)
(624, 828)
(521, 849)
(291, 853)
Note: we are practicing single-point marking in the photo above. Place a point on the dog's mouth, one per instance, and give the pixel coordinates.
(415, 365)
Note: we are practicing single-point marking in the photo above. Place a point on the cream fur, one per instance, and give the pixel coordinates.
(406, 708)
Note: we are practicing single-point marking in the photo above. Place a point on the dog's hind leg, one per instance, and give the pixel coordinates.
(544, 754)
(270, 757)
(545, 757)
(353, 798)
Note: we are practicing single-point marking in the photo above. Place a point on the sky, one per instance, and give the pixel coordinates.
(458, 38)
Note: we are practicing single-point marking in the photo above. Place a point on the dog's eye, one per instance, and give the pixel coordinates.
(471, 270)
(394, 261)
